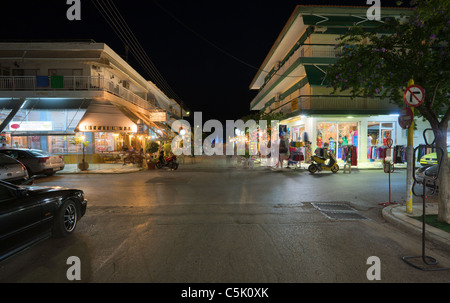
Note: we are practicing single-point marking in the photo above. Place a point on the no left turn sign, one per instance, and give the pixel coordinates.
(414, 95)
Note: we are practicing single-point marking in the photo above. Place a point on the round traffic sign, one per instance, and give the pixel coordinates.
(414, 95)
(405, 118)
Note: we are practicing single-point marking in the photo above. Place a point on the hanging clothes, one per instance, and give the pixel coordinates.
(354, 156)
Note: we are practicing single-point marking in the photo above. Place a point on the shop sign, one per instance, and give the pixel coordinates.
(140, 127)
(158, 117)
(103, 128)
(31, 126)
(405, 118)
(414, 95)
(294, 105)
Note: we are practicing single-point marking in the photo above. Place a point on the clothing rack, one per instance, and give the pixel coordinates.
(399, 154)
(350, 154)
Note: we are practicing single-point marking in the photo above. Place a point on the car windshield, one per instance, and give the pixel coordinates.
(39, 153)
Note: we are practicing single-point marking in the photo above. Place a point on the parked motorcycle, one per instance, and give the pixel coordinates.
(170, 162)
(320, 163)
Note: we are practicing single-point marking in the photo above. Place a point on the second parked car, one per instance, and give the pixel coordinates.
(13, 171)
(37, 162)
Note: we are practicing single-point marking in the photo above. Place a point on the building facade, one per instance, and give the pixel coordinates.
(52, 92)
(292, 80)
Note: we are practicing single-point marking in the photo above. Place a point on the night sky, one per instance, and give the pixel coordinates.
(204, 77)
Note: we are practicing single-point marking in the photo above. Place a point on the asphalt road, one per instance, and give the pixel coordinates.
(230, 225)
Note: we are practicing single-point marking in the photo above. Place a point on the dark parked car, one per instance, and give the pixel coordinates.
(29, 214)
(428, 173)
(37, 162)
(13, 171)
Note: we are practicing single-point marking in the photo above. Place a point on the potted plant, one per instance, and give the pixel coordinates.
(80, 140)
(151, 148)
(151, 163)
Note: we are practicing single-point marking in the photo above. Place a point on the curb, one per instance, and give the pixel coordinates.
(397, 216)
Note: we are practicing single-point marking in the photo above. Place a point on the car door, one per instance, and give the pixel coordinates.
(19, 221)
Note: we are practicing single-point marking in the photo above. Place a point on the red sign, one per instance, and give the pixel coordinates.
(15, 126)
(405, 118)
(414, 95)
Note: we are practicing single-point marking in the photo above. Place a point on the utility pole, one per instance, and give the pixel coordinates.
(409, 161)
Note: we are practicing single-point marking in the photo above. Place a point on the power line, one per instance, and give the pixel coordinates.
(140, 50)
(120, 27)
(216, 46)
(125, 39)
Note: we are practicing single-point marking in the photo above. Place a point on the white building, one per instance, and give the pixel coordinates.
(50, 92)
(292, 80)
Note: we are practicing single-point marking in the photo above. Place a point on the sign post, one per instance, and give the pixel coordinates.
(406, 118)
(388, 168)
(413, 96)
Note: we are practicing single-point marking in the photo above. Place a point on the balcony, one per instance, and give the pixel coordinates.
(303, 54)
(71, 83)
(282, 77)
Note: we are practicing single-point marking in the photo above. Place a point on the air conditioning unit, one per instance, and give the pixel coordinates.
(278, 97)
(277, 65)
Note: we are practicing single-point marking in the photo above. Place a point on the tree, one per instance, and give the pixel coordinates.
(380, 63)
(81, 141)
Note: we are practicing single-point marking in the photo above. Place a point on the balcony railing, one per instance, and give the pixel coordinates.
(327, 51)
(72, 83)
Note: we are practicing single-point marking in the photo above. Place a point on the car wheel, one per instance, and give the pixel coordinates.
(66, 220)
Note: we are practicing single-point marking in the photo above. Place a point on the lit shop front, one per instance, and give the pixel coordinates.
(365, 136)
(108, 131)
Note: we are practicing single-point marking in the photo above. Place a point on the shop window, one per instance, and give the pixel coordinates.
(337, 136)
(104, 142)
(379, 132)
(296, 133)
(378, 135)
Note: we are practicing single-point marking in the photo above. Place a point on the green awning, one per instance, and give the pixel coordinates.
(316, 74)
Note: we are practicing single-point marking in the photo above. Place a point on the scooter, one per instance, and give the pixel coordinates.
(323, 163)
(170, 162)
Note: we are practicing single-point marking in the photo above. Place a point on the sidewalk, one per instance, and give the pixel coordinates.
(397, 215)
(100, 169)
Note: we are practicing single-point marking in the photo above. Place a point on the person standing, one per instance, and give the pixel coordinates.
(283, 150)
